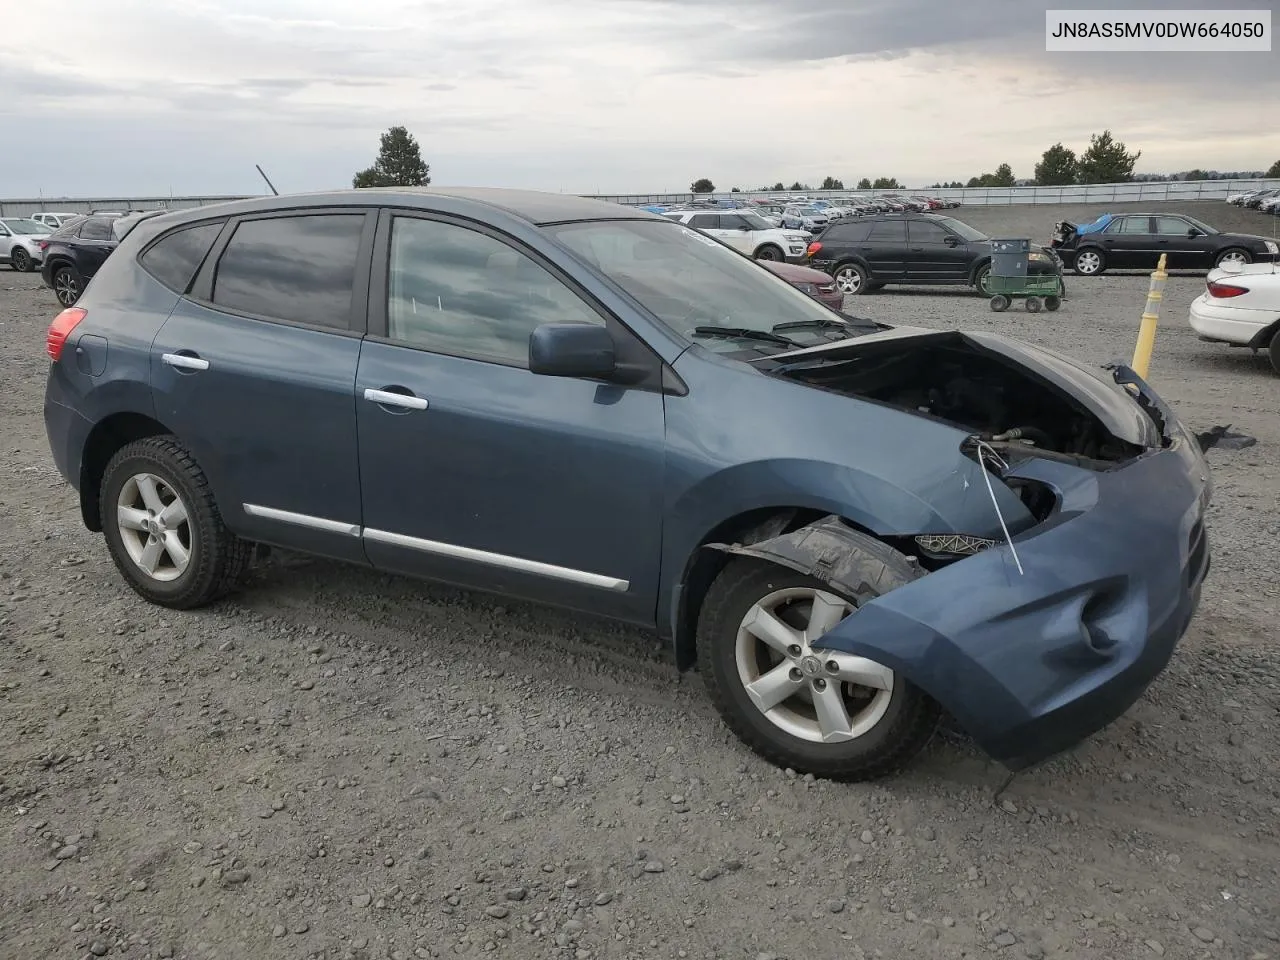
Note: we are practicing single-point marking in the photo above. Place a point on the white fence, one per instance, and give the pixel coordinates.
(1153, 192)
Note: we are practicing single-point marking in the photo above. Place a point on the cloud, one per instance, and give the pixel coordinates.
(620, 95)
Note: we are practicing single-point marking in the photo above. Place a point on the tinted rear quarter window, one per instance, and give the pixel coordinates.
(174, 260)
(847, 232)
(296, 268)
(96, 228)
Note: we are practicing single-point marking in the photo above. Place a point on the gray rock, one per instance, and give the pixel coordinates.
(234, 878)
(1203, 934)
(708, 873)
(278, 930)
(559, 782)
(1155, 946)
(603, 899)
(867, 836)
(835, 905)
(517, 893)
(301, 927)
(361, 900)
(98, 948)
(497, 911)
(1005, 939)
(67, 852)
(654, 866)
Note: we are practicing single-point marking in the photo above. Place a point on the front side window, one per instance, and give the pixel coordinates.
(922, 231)
(1172, 226)
(296, 268)
(457, 291)
(705, 221)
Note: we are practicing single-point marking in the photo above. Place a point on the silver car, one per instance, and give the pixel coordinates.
(20, 243)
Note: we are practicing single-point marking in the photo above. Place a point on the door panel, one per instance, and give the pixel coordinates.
(1129, 242)
(542, 487)
(255, 372)
(1183, 251)
(930, 258)
(885, 249)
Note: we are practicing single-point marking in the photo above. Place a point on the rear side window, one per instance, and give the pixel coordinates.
(890, 231)
(848, 232)
(96, 228)
(174, 260)
(301, 269)
(705, 221)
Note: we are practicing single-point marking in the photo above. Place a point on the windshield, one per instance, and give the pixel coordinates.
(963, 229)
(687, 280)
(24, 227)
(813, 211)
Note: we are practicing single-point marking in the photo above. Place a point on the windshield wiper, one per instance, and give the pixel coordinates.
(824, 322)
(743, 333)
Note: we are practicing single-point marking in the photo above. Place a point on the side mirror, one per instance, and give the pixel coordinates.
(951, 241)
(572, 350)
(1192, 233)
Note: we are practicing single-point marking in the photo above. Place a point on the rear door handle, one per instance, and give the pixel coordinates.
(185, 361)
(388, 398)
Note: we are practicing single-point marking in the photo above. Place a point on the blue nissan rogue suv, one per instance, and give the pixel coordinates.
(849, 528)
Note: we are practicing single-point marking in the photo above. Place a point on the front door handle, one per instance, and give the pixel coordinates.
(185, 361)
(390, 398)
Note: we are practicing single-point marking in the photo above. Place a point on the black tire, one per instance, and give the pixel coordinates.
(1052, 303)
(218, 560)
(1273, 352)
(903, 731)
(20, 260)
(770, 252)
(1091, 256)
(1233, 253)
(1033, 304)
(980, 279)
(851, 279)
(1000, 303)
(68, 285)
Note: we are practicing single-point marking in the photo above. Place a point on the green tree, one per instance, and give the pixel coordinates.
(1106, 161)
(864, 184)
(1057, 167)
(798, 186)
(1003, 177)
(832, 183)
(399, 163)
(778, 186)
(702, 185)
(734, 190)
(886, 183)
(1274, 171)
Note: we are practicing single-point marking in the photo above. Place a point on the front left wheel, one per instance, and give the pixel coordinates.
(770, 252)
(20, 260)
(163, 528)
(793, 701)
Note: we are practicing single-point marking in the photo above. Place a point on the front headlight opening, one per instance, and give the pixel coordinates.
(952, 545)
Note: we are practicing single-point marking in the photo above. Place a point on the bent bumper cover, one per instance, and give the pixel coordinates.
(1030, 664)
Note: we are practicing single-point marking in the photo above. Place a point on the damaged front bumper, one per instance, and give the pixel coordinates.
(1030, 664)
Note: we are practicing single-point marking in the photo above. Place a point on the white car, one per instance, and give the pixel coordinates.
(1270, 204)
(54, 220)
(747, 231)
(1241, 307)
(20, 243)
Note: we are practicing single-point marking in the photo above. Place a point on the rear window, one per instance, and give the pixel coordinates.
(174, 260)
(890, 231)
(300, 269)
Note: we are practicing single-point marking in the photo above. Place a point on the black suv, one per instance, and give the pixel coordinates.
(74, 252)
(917, 248)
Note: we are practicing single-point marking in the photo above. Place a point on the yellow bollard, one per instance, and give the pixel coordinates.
(1147, 332)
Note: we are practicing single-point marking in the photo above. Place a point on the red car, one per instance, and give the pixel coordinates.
(815, 283)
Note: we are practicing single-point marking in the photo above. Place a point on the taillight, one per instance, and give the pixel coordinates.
(813, 249)
(60, 329)
(44, 245)
(1225, 290)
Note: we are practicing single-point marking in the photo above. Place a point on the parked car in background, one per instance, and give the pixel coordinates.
(1134, 241)
(745, 230)
(73, 254)
(1255, 200)
(806, 218)
(1240, 306)
(20, 243)
(917, 248)
(976, 527)
(55, 220)
(815, 283)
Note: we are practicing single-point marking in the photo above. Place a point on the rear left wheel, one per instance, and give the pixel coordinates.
(1274, 352)
(790, 699)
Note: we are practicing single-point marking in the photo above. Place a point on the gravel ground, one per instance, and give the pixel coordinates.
(343, 765)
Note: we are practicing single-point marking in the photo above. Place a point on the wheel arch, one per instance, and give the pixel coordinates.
(766, 532)
(106, 437)
(978, 264)
(1262, 339)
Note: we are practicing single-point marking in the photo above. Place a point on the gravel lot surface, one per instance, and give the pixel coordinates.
(342, 765)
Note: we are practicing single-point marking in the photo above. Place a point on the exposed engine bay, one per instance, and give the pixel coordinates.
(1004, 404)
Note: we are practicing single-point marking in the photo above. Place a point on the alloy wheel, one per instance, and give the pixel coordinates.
(1088, 262)
(154, 525)
(66, 287)
(812, 693)
(848, 280)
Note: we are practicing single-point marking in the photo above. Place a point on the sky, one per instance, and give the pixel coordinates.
(153, 98)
